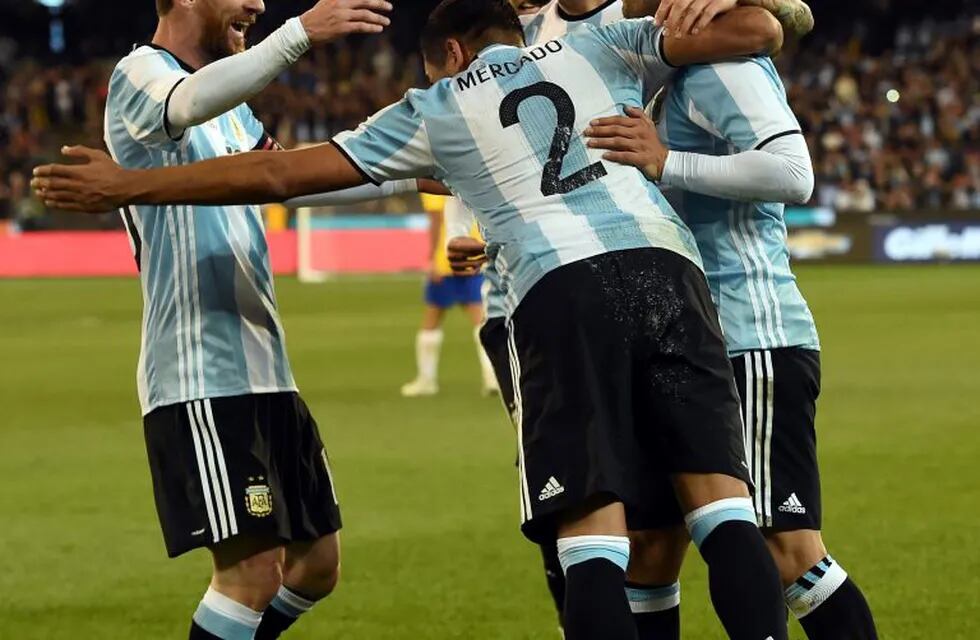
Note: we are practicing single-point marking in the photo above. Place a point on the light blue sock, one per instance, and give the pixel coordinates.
(701, 522)
(290, 604)
(654, 599)
(221, 616)
(578, 549)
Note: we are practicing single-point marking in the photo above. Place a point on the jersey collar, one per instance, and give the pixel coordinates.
(183, 65)
(568, 17)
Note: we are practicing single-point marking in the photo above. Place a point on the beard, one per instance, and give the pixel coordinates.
(218, 43)
(219, 39)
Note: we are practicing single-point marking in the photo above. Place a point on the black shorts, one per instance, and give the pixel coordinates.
(779, 390)
(623, 380)
(246, 465)
(494, 337)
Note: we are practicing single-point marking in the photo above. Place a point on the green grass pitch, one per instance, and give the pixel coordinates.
(431, 546)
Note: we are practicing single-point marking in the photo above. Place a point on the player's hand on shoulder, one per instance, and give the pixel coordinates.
(329, 20)
(466, 255)
(686, 17)
(93, 185)
(631, 139)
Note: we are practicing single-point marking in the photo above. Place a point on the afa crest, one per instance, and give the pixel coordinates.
(258, 500)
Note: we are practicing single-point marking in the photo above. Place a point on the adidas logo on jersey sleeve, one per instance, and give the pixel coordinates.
(552, 489)
(792, 505)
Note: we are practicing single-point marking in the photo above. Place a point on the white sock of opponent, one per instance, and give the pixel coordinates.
(428, 344)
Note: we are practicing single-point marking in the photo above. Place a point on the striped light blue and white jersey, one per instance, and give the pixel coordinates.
(549, 23)
(553, 22)
(210, 324)
(506, 136)
(722, 109)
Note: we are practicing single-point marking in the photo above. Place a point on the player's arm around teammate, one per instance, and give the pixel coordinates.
(683, 17)
(98, 185)
(771, 164)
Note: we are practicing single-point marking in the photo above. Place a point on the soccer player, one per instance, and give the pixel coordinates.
(237, 461)
(654, 593)
(727, 170)
(444, 290)
(614, 341)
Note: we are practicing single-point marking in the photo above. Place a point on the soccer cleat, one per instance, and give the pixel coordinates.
(420, 387)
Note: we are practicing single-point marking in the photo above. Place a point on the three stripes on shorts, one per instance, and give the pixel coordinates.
(213, 471)
(757, 420)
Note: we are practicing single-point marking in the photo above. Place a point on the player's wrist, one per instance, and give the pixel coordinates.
(296, 36)
(654, 169)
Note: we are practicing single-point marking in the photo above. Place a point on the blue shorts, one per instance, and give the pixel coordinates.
(454, 290)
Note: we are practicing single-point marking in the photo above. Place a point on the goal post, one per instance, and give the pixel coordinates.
(331, 243)
(307, 254)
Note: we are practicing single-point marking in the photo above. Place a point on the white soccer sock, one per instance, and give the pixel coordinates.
(225, 618)
(486, 367)
(814, 588)
(428, 344)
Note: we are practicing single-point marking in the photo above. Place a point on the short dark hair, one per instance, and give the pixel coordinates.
(164, 7)
(470, 21)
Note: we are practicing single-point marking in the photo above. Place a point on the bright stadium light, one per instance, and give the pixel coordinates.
(56, 37)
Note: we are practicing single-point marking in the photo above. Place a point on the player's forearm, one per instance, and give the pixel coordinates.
(355, 195)
(247, 178)
(223, 85)
(795, 15)
(740, 32)
(780, 173)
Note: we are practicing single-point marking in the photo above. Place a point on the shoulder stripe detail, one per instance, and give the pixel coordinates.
(166, 113)
(367, 176)
(777, 136)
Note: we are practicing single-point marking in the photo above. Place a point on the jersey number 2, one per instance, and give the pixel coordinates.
(551, 181)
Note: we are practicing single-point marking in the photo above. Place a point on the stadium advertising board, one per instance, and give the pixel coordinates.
(928, 242)
(883, 237)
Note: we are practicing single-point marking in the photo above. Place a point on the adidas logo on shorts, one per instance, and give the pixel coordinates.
(552, 489)
(792, 505)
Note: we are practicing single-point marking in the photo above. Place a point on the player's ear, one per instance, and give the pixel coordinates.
(456, 58)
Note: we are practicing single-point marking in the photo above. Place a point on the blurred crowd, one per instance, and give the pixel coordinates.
(896, 131)
(893, 131)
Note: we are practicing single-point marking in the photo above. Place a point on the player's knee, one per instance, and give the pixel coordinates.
(795, 552)
(314, 569)
(320, 579)
(252, 578)
(263, 573)
(656, 555)
(696, 490)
